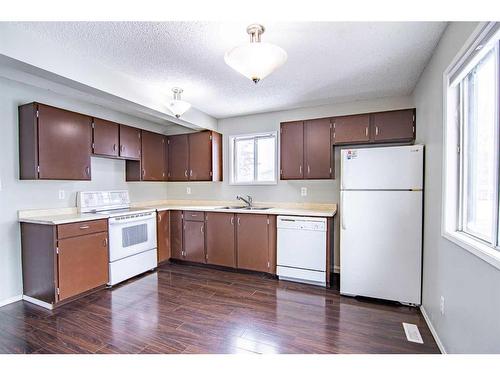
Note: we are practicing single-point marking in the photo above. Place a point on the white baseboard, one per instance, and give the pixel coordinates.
(433, 331)
(10, 300)
(38, 302)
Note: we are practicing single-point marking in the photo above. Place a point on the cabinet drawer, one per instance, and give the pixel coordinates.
(194, 215)
(81, 228)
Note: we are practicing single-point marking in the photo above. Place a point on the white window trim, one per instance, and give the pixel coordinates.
(231, 157)
(451, 160)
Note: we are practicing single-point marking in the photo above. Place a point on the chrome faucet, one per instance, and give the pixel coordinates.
(248, 201)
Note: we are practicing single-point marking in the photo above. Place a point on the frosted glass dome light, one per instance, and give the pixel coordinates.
(178, 106)
(255, 60)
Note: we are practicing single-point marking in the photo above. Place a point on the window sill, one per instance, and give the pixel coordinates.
(475, 247)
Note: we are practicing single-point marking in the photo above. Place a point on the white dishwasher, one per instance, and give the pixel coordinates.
(302, 249)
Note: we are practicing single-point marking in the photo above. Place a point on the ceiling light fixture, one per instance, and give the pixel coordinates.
(178, 106)
(256, 59)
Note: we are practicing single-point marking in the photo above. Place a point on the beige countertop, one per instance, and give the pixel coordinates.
(71, 215)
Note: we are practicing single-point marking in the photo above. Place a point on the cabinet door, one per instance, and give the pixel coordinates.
(176, 245)
(393, 126)
(165, 156)
(82, 264)
(317, 149)
(178, 157)
(351, 129)
(292, 150)
(130, 142)
(200, 156)
(194, 241)
(253, 242)
(106, 138)
(64, 144)
(153, 159)
(163, 235)
(220, 239)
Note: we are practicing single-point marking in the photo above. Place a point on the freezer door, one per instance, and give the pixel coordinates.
(381, 244)
(396, 168)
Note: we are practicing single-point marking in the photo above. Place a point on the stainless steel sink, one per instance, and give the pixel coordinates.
(244, 208)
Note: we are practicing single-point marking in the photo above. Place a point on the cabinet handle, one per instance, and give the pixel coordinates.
(238, 221)
(232, 220)
(308, 169)
(114, 147)
(376, 130)
(105, 242)
(85, 227)
(87, 171)
(186, 173)
(191, 173)
(143, 173)
(122, 147)
(366, 131)
(300, 169)
(201, 229)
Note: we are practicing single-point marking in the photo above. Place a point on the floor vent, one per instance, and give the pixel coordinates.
(412, 333)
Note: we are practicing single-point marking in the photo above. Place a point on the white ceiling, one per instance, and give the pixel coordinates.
(327, 62)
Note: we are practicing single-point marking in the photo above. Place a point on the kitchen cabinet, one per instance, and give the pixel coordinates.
(253, 242)
(318, 150)
(178, 157)
(195, 157)
(153, 157)
(194, 240)
(163, 235)
(54, 144)
(394, 126)
(306, 151)
(106, 138)
(130, 142)
(351, 129)
(176, 231)
(61, 262)
(292, 150)
(220, 239)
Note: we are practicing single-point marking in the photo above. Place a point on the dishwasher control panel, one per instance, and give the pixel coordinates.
(303, 223)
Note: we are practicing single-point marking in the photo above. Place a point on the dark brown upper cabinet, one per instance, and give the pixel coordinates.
(292, 150)
(178, 157)
(106, 138)
(195, 157)
(306, 150)
(153, 157)
(54, 144)
(318, 151)
(220, 239)
(393, 126)
(351, 129)
(130, 142)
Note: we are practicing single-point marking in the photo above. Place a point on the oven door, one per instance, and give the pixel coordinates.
(131, 234)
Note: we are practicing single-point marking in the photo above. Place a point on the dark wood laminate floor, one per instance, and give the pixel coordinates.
(189, 309)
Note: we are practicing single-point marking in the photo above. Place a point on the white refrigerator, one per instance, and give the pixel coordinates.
(381, 204)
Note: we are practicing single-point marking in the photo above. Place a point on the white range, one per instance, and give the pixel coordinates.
(132, 232)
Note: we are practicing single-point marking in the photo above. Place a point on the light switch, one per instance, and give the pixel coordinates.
(303, 192)
(62, 194)
(188, 190)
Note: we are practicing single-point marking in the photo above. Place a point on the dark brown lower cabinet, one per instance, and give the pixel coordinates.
(82, 264)
(163, 235)
(176, 245)
(220, 239)
(253, 250)
(194, 241)
(61, 262)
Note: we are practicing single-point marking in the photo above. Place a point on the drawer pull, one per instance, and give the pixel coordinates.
(106, 242)
(85, 227)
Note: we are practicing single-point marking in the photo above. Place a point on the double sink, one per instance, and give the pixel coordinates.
(244, 208)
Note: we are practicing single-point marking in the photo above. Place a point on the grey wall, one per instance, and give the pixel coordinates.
(469, 285)
(326, 191)
(17, 195)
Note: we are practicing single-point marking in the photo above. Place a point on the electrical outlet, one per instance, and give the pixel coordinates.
(62, 194)
(188, 190)
(441, 305)
(303, 192)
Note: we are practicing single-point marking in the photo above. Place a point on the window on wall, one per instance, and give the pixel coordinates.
(472, 159)
(253, 159)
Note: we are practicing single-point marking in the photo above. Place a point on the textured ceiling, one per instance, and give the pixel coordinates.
(327, 62)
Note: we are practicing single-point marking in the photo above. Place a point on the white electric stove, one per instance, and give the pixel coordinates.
(132, 232)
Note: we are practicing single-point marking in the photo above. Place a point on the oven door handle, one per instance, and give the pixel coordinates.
(145, 219)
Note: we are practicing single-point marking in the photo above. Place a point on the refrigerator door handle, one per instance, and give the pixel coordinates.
(341, 169)
(342, 214)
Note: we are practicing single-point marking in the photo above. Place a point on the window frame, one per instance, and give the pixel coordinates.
(232, 158)
(454, 145)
